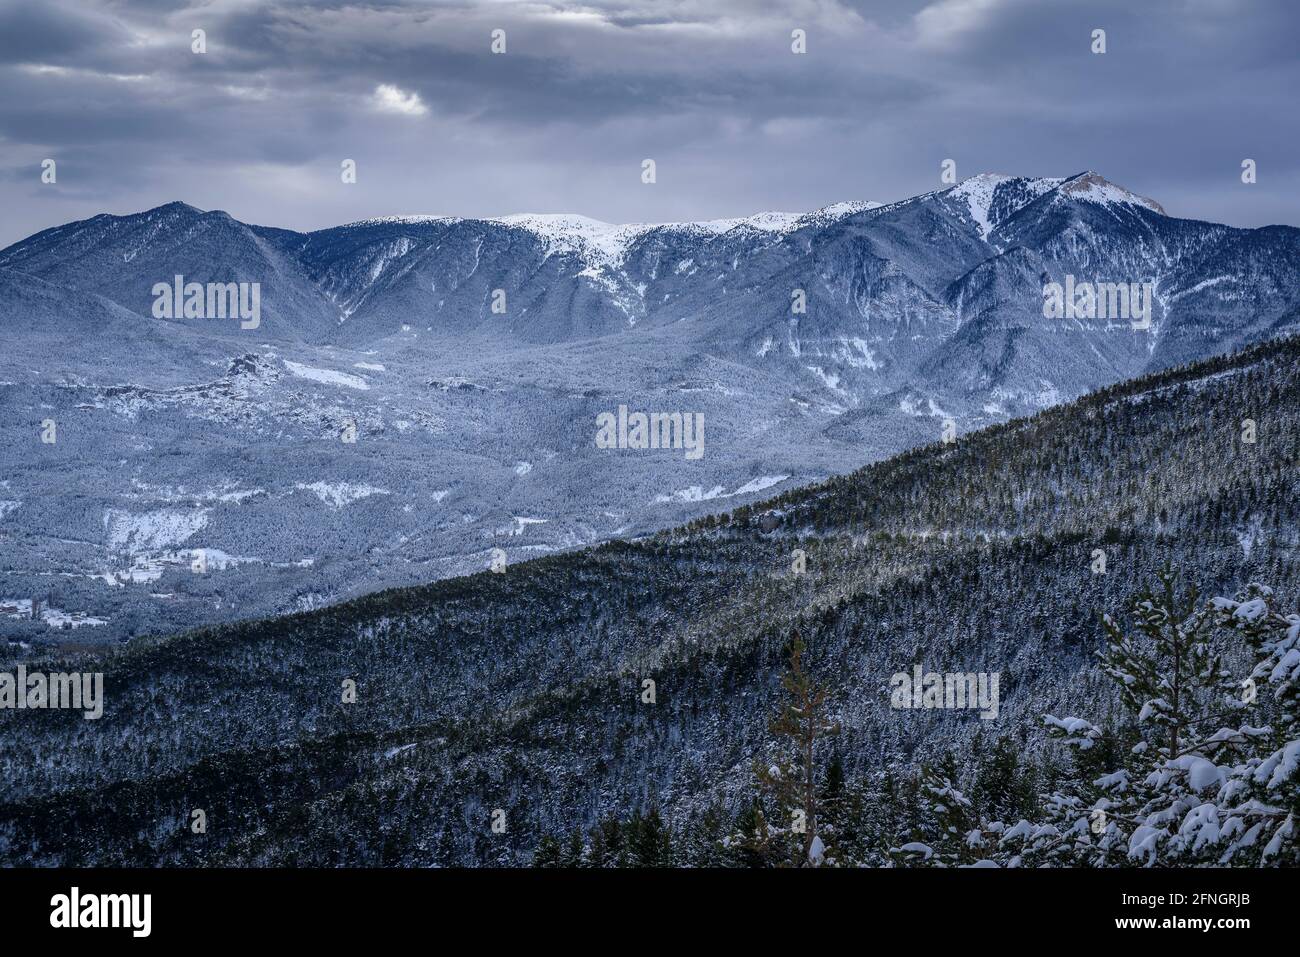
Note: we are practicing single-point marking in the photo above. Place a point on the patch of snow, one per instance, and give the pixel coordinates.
(916, 847)
(829, 379)
(816, 852)
(239, 495)
(522, 522)
(132, 532)
(394, 251)
(326, 376)
(863, 360)
(338, 494)
(21, 609)
(1203, 284)
(697, 493)
(978, 191)
(1245, 536)
(760, 483)
(1201, 774)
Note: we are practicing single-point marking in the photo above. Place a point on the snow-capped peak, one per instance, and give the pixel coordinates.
(1092, 187)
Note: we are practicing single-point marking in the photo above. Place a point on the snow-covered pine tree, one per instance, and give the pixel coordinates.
(949, 834)
(1167, 667)
(1253, 821)
(1207, 784)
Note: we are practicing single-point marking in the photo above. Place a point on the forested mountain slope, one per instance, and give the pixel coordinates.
(524, 691)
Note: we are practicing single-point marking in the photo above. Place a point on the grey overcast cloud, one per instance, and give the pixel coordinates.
(736, 124)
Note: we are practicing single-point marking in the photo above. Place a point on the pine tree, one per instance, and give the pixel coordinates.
(706, 846)
(1166, 668)
(606, 844)
(548, 852)
(791, 783)
(1209, 783)
(750, 844)
(948, 834)
(571, 855)
(840, 810)
(995, 790)
(650, 841)
(1259, 802)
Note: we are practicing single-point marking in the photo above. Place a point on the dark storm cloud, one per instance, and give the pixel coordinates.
(709, 89)
(41, 33)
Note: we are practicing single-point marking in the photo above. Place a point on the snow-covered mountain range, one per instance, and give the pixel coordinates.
(470, 358)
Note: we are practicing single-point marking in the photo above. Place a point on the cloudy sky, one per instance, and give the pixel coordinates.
(736, 123)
